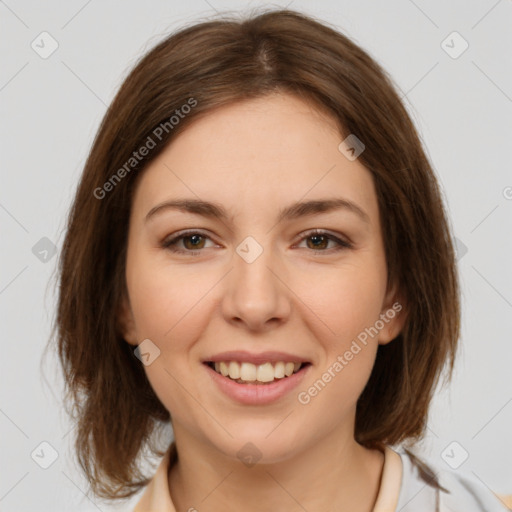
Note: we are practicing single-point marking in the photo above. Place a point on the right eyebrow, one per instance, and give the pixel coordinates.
(204, 208)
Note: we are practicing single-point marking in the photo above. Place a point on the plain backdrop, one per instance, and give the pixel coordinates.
(460, 98)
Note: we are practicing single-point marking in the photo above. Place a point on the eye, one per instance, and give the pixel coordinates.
(193, 242)
(320, 241)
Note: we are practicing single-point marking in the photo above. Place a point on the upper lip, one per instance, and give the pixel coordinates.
(248, 357)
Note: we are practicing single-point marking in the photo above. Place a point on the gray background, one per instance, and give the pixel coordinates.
(51, 109)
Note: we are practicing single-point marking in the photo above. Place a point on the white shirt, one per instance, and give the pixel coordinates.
(419, 493)
(407, 484)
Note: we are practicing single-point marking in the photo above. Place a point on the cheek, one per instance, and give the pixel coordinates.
(165, 298)
(169, 308)
(346, 300)
(349, 305)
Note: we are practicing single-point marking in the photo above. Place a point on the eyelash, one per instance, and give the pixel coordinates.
(170, 244)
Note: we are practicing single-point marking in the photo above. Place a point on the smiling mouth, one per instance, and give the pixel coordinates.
(248, 373)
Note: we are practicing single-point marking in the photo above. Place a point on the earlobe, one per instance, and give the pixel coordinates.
(394, 320)
(387, 335)
(126, 322)
(393, 316)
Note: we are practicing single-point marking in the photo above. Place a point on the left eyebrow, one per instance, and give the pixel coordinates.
(293, 211)
(303, 209)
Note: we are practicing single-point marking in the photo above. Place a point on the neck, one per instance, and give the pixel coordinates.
(336, 473)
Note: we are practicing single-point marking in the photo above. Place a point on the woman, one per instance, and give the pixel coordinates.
(258, 254)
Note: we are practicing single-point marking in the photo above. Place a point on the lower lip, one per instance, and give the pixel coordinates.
(257, 394)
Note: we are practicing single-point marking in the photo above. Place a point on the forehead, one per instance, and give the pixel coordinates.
(256, 154)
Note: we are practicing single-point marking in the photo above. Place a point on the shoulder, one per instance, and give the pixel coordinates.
(428, 486)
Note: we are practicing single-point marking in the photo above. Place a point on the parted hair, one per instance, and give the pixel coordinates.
(218, 62)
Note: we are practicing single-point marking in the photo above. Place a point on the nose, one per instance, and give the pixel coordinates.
(256, 296)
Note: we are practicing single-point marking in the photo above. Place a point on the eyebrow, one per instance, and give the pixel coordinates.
(293, 211)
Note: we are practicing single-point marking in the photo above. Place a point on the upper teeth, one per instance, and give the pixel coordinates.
(249, 372)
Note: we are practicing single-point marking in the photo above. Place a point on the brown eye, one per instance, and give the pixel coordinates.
(195, 242)
(190, 242)
(318, 241)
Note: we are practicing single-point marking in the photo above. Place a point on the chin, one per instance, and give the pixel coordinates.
(261, 444)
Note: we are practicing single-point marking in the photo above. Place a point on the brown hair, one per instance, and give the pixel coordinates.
(217, 63)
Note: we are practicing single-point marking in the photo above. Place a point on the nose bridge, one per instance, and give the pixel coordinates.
(255, 293)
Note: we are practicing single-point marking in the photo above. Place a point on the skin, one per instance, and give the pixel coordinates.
(254, 158)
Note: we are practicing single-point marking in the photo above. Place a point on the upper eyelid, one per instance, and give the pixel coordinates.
(189, 232)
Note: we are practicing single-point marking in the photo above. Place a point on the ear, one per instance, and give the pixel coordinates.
(393, 315)
(126, 322)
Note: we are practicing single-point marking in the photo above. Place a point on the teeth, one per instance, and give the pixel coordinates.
(288, 369)
(279, 370)
(265, 373)
(234, 370)
(224, 369)
(248, 372)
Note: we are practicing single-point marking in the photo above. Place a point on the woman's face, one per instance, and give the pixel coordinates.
(253, 280)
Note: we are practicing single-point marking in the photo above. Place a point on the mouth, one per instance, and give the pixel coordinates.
(243, 372)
